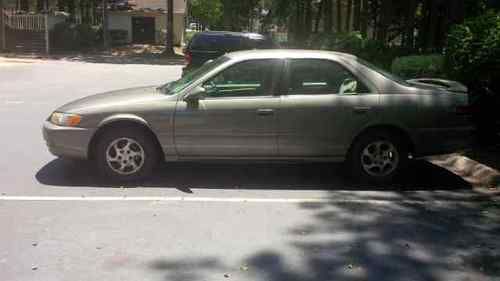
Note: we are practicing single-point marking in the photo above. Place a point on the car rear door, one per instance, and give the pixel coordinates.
(237, 118)
(323, 104)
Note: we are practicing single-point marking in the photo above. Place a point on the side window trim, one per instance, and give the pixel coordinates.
(285, 89)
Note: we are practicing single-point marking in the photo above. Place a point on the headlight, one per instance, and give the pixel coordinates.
(65, 119)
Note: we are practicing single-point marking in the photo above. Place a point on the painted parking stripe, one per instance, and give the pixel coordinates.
(237, 200)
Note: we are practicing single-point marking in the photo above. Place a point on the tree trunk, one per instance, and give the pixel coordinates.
(228, 17)
(409, 35)
(364, 19)
(105, 33)
(385, 20)
(348, 16)
(308, 18)
(328, 15)
(2, 28)
(357, 15)
(71, 9)
(169, 46)
(433, 24)
(24, 5)
(339, 16)
(319, 13)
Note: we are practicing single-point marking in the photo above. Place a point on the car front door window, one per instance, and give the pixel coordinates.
(246, 79)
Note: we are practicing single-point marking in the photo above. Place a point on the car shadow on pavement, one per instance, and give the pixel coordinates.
(421, 175)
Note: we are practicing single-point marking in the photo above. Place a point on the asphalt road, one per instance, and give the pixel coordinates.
(219, 221)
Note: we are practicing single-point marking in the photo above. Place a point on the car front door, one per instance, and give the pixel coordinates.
(322, 104)
(237, 116)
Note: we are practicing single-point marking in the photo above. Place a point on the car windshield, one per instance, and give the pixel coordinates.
(386, 74)
(181, 84)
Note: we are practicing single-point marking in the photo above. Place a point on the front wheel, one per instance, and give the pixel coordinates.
(126, 154)
(378, 157)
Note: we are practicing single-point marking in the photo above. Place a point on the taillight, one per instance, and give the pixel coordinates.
(464, 110)
(188, 57)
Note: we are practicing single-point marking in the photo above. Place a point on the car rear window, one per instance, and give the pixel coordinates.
(216, 43)
(260, 44)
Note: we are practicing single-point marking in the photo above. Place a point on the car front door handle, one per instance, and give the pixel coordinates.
(361, 109)
(265, 112)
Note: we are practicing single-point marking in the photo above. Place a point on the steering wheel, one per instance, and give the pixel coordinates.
(212, 89)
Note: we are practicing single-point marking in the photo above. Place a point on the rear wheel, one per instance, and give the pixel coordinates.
(378, 157)
(126, 154)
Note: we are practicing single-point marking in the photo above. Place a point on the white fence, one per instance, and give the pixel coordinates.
(24, 22)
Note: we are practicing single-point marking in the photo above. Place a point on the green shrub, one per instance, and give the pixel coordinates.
(473, 49)
(189, 36)
(68, 36)
(63, 37)
(419, 66)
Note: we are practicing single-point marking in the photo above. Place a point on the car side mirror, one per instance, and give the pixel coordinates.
(196, 94)
(208, 61)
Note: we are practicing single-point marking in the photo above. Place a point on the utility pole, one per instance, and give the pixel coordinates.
(169, 44)
(105, 24)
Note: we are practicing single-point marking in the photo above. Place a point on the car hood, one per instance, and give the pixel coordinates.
(119, 99)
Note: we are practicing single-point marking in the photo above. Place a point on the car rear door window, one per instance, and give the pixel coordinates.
(319, 77)
(245, 79)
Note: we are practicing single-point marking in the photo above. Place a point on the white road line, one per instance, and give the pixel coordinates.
(14, 102)
(234, 200)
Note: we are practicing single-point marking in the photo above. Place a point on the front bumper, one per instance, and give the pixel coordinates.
(67, 142)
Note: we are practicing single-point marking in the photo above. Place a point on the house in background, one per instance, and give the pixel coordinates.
(146, 22)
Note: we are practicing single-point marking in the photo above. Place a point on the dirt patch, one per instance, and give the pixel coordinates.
(480, 166)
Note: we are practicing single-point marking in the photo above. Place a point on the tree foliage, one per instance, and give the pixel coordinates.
(207, 12)
(474, 47)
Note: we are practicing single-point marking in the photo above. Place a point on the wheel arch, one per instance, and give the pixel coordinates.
(399, 131)
(120, 121)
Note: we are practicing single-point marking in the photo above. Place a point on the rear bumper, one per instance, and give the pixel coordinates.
(67, 142)
(443, 141)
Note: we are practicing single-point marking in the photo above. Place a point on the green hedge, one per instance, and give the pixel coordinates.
(419, 66)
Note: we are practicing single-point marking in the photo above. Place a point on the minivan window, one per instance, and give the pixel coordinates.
(215, 43)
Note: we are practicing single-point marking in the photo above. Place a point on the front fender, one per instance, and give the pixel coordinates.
(123, 117)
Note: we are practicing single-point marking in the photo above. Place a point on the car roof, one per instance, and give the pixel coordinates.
(288, 53)
(250, 35)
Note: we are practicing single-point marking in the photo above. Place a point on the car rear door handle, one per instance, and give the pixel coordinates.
(265, 112)
(361, 109)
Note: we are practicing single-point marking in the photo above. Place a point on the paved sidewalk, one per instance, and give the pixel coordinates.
(129, 54)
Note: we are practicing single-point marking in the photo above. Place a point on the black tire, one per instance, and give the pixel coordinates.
(142, 137)
(355, 160)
